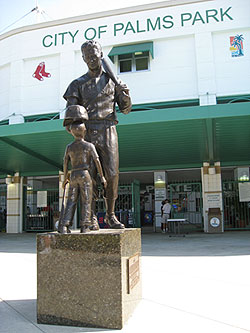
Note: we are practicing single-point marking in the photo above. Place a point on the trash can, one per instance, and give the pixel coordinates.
(215, 224)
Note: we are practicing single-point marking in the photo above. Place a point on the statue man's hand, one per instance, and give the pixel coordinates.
(122, 89)
(65, 182)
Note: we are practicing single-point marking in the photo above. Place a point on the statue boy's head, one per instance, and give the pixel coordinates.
(78, 130)
(92, 54)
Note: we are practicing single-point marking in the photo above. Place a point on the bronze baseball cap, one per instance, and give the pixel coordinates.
(75, 113)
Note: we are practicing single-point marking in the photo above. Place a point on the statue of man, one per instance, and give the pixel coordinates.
(99, 94)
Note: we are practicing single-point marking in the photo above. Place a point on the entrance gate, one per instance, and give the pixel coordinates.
(41, 209)
(127, 206)
(236, 213)
(186, 201)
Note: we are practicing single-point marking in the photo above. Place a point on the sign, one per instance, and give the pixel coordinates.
(236, 46)
(160, 194)
(215, 222)
(41, 198)
(213, 200)
(133, 271)
(142, 23)
(244, 192)
(40, 72)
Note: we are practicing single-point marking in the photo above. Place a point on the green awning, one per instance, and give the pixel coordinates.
(155, 139)
(131, 48)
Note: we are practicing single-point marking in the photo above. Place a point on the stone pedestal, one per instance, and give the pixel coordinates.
(88, 279)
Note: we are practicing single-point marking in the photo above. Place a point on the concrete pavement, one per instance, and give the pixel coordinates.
(198, 283)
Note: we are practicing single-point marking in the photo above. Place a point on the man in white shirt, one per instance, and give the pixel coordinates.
(166, 209)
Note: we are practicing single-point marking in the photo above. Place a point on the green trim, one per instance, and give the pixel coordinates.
(235, 163)
(42, 117)
(39, 173)
(233, 99)
(161, 167)
(131, 48)
(166, 104)
(4, 122)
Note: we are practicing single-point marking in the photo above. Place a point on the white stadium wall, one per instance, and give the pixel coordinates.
(192, 56)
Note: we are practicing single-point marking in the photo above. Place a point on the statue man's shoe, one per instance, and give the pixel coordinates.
(113, 223)
(84, 229)
(94, 223)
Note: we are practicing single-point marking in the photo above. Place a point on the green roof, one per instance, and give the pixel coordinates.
(157, 139)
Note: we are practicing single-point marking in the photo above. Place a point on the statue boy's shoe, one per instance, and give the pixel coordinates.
(94, 223)
(64, 229)
(112, 221)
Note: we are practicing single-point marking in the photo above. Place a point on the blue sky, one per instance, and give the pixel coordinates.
(13, 10)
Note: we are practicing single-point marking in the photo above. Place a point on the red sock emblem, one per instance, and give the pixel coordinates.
(40, 72)
(43, 70)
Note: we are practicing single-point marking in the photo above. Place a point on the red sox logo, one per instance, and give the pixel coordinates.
(40, 72)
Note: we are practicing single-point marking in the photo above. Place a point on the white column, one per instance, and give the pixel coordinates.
(212, 192)
(205, 68)
(160, 180)
(14, 204)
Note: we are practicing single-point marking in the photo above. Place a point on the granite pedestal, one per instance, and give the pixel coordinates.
(90, 279)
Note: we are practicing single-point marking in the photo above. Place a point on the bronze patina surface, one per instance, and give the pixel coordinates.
(98, 91)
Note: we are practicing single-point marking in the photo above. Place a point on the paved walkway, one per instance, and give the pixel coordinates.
(197, 284)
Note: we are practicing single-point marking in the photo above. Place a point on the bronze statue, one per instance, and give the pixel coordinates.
(99, 92)
(79, 153)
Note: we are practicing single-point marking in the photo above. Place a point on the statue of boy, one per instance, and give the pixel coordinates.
(96, 91)
(79, 153)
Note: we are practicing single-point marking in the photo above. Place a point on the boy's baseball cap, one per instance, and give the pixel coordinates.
(75, 113)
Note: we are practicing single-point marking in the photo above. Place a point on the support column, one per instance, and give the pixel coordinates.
(14, 204)
(212, 195)
(160, 180)
(61, 179)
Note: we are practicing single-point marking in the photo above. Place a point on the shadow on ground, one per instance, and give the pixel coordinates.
(20, 316)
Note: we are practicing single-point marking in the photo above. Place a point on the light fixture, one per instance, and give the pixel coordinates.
(9, 180)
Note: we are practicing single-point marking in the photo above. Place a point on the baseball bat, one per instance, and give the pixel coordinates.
(109, 71)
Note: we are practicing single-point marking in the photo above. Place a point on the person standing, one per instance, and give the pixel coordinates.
(166, 210)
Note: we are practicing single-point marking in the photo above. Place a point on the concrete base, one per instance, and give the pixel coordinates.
(88, 279)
